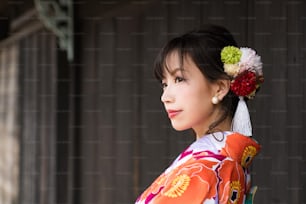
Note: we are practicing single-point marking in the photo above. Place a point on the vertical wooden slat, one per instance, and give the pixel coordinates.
(107, 95)
(42, 139)
(61, 112)
(47, 98)
(29, 141)
(124, 79)
(38, 111)
(9, 143)
(279, 110)
(90, 136)
(302, 52)
(295, 124)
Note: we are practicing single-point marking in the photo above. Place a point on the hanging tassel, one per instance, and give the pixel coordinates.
(241, 121)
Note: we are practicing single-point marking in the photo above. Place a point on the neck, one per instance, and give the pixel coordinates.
(225, 125)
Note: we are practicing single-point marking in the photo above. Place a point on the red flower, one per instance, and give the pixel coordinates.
(244, 84)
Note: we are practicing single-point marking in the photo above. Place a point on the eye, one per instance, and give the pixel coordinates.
(179, 79)
(163, 85)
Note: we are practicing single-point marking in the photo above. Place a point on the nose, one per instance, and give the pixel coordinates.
(167, 96)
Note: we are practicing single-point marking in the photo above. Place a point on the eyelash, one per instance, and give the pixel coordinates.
(176, 80)
(179, 79)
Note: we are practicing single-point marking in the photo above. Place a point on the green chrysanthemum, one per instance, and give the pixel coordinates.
(230, 55)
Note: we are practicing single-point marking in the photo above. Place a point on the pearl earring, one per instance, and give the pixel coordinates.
(215, 100)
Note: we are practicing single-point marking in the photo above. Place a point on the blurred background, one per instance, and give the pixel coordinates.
(81, 120)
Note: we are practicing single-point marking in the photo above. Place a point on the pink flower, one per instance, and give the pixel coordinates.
(250, 61)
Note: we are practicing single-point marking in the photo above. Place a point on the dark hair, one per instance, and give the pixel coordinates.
(204, 46)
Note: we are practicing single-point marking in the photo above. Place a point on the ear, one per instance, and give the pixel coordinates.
(223, 87)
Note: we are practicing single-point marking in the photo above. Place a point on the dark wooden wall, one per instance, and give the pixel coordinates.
(278, 31)
(126, 138)
(46, 146)
(43, 103)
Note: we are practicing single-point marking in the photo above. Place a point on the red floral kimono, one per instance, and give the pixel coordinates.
(209, 171)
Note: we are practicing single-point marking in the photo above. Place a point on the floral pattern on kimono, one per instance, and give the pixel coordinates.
(209, 171)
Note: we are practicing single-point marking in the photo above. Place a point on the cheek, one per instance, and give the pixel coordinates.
(201, 96)
(197, 96)
(201, 102)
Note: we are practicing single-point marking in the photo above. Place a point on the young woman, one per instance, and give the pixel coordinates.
(206, 80)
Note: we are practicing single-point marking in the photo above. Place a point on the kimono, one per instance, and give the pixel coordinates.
(212, 170)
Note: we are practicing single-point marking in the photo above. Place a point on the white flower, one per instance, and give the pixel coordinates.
(231, 69)
(250, 61)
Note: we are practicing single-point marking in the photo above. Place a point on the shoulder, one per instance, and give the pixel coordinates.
(240, 148)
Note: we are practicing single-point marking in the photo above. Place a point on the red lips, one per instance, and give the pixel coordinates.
(173, 113)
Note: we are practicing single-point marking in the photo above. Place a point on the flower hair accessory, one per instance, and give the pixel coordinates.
(244, 67)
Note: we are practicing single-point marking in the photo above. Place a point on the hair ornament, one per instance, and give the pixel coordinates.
(244, 66)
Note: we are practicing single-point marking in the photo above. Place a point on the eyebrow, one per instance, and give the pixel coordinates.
(173, 72)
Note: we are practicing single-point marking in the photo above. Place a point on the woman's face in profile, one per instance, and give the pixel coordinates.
(187, 95)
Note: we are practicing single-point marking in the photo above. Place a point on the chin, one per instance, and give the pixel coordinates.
(179, 127)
